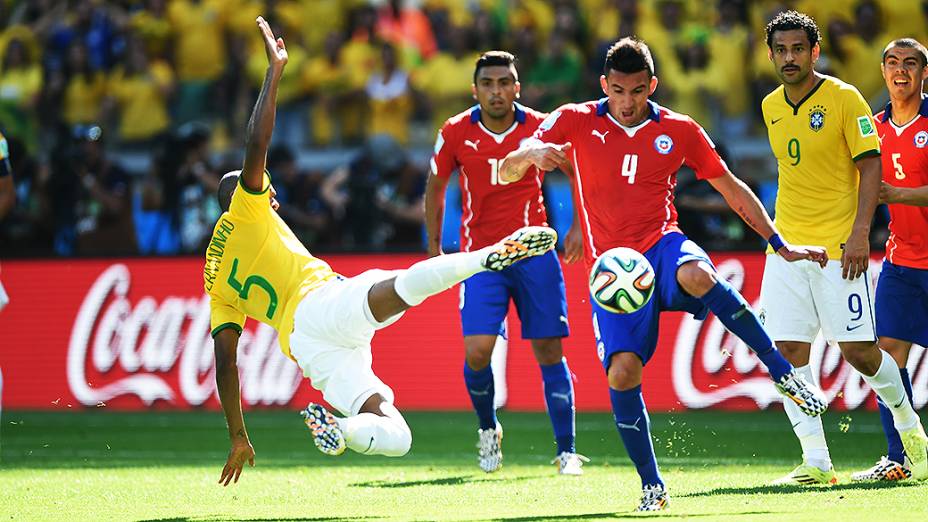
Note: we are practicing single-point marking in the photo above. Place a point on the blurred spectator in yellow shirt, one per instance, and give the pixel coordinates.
(693, 83)
(152, 25)
(85, 88)
(389, 98)
(140, 90)
(199, 54)
(729, 66)
(446, 79)
(20, 84)
(857, 51)
(333, 96)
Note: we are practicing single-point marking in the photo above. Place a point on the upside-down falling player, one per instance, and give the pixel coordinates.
(255, 267)
(625, 151)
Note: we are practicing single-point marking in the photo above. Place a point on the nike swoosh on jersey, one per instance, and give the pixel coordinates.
(774, 122)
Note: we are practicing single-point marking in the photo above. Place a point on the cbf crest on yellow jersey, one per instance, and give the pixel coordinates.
(816, 143)
(256, 267)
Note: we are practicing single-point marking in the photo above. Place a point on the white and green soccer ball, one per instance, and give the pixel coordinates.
(622, 280)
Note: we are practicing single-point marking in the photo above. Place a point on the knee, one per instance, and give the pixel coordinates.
(548, 351)
(624, 371)
(865, 358)
(478, 350)
(796, 353)
(696, 278)
(402, 442)
(897, 349)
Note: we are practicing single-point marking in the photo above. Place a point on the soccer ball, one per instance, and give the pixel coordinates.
(622, 280)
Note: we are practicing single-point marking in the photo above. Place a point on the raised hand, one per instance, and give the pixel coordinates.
(274, 47)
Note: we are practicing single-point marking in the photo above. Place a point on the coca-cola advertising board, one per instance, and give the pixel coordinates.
(134, 334)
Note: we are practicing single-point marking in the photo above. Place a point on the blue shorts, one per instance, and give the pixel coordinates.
(536, 285)
(637, 332)
(902, 303)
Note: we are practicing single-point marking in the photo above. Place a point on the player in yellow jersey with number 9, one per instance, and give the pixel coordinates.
(828, 159)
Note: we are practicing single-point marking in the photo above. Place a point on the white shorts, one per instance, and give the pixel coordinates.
(799, 298)
(331, 341)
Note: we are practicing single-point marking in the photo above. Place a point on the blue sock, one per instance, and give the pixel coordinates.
(480, 387)
(559, 397)
(896, 451)
(728, 305)
(631, 419)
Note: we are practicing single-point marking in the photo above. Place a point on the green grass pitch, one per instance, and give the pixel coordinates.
(101, 465)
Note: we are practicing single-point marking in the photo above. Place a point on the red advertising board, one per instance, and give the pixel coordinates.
(134, 333)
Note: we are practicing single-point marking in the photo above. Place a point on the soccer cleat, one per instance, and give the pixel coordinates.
(525, 242)
(570, 463)
(884, 469)
(489, 448)
(327, 435)
(653, 498)
(915, 443)
(807, 475)
(806, 395)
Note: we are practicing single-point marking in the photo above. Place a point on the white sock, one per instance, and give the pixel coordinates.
(808, 430)
(435, 275)
(371, 434)
(887, 383)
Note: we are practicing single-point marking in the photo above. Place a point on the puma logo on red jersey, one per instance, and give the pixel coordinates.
(472, 144)
(600, 135)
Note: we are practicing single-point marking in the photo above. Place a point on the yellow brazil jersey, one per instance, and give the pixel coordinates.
(816, 143)
(256, 267)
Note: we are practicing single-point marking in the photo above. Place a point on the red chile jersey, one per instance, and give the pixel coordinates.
(905, 164)
(624, 177)
(492, 208)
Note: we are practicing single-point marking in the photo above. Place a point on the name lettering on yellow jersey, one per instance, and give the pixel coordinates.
(217, 247)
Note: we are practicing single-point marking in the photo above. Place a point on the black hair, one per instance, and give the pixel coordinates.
(629, 55)
(792, 20)
(226, 188)
(494, 58)
(908, 43)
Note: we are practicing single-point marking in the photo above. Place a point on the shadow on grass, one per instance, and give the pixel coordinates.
(220, 519)
(444, 481)
(786, 490)
(665, 514)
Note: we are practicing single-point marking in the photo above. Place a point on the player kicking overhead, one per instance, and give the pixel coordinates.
(826, 145)
(625, 151)
(902, 291)
(256, 267)
(475, 142)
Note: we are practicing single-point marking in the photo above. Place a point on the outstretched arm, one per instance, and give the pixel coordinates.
(545, 156)
(743, 201)
(261, 123)
(226, 345)
(914, 196)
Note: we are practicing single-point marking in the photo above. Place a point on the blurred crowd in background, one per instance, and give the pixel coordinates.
(122, 115)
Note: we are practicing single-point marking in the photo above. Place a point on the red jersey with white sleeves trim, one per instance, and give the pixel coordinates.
(492, 208)
(905, 164)
(624, 177)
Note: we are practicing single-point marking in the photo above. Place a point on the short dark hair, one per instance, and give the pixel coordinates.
(792, 20)
(226, 188)
(908, 43)
(629, 55)
(494, 58)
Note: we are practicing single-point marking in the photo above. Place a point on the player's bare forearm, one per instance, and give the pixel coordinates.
(743, 201)
(868, 193)
(261, 123)
(226, 345)
(515, 164)
(434, 212)
(259, 130)
(914, 196)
